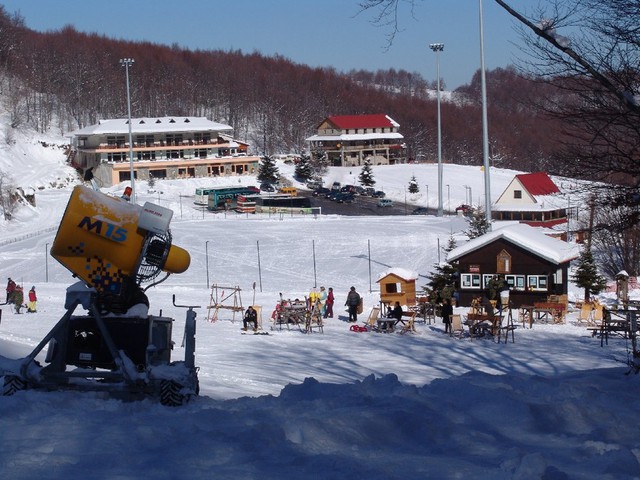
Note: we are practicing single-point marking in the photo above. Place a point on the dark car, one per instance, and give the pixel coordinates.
(348, 189)
(321, 192)
(267, 187)
(378, 194)
(369, 191)
(420, 211)
(359, 190)
(345, 197)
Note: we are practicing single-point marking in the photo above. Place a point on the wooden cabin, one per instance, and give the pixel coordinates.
(533, 264)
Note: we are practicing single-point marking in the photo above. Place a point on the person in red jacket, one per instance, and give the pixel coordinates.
(31, 306)
(328, 311)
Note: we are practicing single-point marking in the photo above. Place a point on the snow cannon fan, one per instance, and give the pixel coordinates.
(114, 246)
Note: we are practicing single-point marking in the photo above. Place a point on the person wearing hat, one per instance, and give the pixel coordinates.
(353, 300)
(11, 287)
(31, 306)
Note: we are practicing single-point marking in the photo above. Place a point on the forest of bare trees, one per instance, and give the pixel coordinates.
(65, 80)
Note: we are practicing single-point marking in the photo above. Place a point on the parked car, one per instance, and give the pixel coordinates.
(321, 192)
(359, 190)
(336, 186)
(465, 209)
(385, 202)
(369, 191)
(345, 197)
(420, 211)
(267, 187)
(348, 189)
(314, 184)
(378, 194)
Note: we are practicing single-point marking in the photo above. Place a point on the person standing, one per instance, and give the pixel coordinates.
(31, 305)
(447, 311)
(328, 311)
(18, 298)
(323, 301)
(11, 287)
(353, 301)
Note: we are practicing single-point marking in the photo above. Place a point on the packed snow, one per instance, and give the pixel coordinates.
(332, 405)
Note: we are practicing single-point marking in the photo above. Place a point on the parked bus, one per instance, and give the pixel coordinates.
(225, 197)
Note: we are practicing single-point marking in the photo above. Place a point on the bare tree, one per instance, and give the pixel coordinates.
(7, 195)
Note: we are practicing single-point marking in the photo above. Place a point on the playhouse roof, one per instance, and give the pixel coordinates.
(402, 273)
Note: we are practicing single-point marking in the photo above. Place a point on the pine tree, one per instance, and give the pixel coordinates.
(413, 185)
(366, 175)
(442, 281)
(268, 170)
(586, 275)
(303, 171)
(319, 163)
(478, 223)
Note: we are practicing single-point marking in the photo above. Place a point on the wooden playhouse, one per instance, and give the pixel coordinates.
(398, 285)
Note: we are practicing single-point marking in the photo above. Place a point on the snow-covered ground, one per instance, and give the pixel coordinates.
(337, 405)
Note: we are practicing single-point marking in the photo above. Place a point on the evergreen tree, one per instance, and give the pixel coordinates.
(413, 185)
(319, 163)
(268, 170)
(442, 281)
(303, 171)
(478, 223)
(366, 175)
(586, 275)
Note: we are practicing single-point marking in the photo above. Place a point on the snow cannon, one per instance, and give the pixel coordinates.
(113, 246)
(117, 347)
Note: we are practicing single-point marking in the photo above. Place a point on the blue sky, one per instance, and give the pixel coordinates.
(311, 32)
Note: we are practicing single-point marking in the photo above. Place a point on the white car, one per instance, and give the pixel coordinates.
(385, 202)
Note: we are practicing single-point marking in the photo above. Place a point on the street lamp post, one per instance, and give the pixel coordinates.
(206, 254)
(438, 47)
(427, 197)
(485, 128)
(126, 63)
(448, 199)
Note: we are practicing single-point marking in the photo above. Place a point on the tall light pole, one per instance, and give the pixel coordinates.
(206, 254)
(427, 185)
(126, 63)
(438, 47)
(485, 128)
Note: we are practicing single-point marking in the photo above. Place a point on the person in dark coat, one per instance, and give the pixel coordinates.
(18, 298)
(447, 311)
(353, 300)
(11, 287)
(250, 316)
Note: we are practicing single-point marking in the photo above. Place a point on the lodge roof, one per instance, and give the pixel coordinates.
(345, 122)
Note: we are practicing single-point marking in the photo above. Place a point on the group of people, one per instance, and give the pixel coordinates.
(15, 297)
(323, 300)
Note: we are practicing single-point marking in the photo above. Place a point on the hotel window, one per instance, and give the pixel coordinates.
(537, 282)
(515, 282)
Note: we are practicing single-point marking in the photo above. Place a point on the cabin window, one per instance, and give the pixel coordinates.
(537, 282)
(515, 282)
(392, 287)
(470, 280)
(503, 262)
(517, 194)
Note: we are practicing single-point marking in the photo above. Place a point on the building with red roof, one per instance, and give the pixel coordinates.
(351, 140)
(531, 198)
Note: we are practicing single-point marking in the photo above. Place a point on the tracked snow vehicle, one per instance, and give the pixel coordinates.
(113, 247)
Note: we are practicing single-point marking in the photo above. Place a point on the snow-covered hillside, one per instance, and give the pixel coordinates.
(335, 405)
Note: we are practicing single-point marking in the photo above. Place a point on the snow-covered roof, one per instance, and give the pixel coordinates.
(152, 125)
(543, 203)
(355, 136)
(378, 120)
(402, 273)
(529, 238)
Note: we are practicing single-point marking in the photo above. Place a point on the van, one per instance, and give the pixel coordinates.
(293, 191)
(385, 202)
